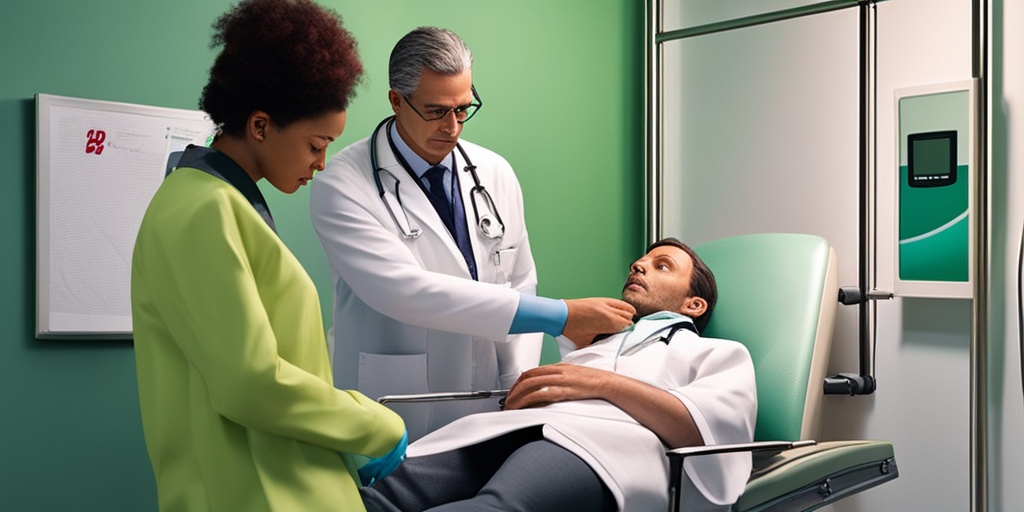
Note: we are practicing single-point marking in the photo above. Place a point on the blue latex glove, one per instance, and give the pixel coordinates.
(383, 466)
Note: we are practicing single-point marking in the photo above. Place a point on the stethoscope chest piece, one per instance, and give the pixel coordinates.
(490, 227)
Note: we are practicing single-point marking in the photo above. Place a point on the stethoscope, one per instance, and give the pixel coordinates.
(655, 338)
(489, 223)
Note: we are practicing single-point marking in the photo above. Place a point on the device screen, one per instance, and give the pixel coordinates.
(931, 159)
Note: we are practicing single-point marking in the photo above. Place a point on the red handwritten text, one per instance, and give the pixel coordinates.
(94, 144)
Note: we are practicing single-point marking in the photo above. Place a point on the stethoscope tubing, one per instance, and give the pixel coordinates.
(485, 222)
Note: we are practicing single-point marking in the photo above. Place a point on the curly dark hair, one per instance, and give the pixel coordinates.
(292, 59)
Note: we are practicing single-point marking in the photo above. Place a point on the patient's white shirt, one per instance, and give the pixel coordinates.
(714, 378)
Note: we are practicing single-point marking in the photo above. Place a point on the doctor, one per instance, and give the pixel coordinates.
(434, 281)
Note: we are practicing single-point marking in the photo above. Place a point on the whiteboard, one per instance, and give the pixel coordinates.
(99, 163)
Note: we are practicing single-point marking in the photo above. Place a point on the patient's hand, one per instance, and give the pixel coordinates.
(557, 383)
(591, 317)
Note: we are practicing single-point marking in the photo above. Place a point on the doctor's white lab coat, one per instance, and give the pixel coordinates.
(715, 380)
(408, 318)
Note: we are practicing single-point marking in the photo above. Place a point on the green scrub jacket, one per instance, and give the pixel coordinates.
(238, 407)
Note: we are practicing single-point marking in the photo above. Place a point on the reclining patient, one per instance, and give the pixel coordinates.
(590, 433)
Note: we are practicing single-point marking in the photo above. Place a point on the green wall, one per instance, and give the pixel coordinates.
(562, 84)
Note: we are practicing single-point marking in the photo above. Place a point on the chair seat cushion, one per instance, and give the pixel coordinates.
(810, 477)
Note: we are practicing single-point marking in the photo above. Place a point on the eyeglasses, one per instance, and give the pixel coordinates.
(462, 113)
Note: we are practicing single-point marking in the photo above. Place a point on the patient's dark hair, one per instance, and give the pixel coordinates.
(292, 59)
(702, 282)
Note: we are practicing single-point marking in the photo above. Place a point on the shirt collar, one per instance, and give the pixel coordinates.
(218, 164)
(654, 322)
(650, 329)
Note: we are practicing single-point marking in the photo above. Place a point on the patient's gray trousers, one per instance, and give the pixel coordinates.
(520, 471)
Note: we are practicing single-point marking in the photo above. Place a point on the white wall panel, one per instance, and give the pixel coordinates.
(1006, 404)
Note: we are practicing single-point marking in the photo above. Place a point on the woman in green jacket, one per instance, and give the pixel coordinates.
(238, 407)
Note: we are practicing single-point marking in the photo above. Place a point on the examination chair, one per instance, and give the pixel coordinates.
(778, 295)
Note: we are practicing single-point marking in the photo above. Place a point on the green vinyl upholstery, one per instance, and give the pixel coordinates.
(777, 295)
(811, 477)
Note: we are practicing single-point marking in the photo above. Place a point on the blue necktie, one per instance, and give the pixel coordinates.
(438, 197)
(447, 211)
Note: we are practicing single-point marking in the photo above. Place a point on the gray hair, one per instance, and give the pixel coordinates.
(437, 49)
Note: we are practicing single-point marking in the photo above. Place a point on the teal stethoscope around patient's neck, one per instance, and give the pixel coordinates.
(489, 223)
(655, 336)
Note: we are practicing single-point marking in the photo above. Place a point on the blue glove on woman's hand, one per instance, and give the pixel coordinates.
(383, 466)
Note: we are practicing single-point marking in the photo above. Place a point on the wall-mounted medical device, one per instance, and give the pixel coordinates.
(934, 194)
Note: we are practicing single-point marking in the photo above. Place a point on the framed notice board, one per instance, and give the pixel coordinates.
(98, 165)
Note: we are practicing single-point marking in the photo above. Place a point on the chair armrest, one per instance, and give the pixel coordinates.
(759, 446)
(677, 455)
(442, 397)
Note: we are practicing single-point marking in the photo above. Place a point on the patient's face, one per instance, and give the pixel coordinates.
(659, 281)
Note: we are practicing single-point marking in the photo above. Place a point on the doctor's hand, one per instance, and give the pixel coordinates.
(591, 317)
(558, 383)
(383, 466)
